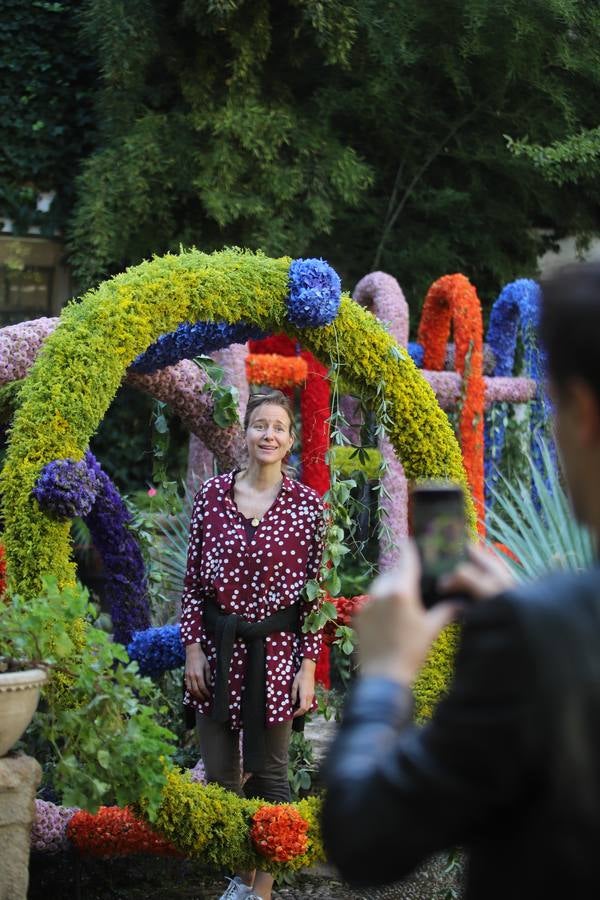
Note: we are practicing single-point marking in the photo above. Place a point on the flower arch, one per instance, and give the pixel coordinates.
(514, 315)
(81, 365)
(390, 306)
(452, 300)
(172, 303)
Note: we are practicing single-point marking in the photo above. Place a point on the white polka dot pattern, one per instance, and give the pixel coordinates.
(253, 578)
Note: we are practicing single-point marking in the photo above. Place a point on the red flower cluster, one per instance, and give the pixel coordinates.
(277, 371)
(2, 570)
(315, 408)
(347, 607)
(453, 300)
(113, 831)
(314, 411)
(279, 833)
(276, 343)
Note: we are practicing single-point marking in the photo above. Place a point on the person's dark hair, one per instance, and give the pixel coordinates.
(570, 324)
(268, 395)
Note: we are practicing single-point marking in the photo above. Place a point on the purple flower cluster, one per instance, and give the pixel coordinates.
(192, 339)
(198, 773)
(19, 346)
(315, 293)
(49, 829)
(157, 650)
(67, 488)
(126, 585)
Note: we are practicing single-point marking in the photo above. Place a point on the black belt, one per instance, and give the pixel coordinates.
(227, 627)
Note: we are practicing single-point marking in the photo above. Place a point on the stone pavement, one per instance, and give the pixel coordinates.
(66, 877)
(431, 882)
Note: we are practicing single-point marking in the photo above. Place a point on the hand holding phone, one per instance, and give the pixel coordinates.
(439, 527)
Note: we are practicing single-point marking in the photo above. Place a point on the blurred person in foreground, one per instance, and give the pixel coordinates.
(509, 765)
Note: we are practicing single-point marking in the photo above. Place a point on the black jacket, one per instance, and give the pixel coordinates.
(508, 767)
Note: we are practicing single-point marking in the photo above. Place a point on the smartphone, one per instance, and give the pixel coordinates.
(439, 526)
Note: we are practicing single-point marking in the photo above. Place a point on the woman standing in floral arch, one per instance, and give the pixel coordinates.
(256, 538)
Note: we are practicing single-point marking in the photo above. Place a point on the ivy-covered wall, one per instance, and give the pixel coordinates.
(46, 111)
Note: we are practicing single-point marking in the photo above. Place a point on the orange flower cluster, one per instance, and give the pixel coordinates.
(113, 831)
(2, 570)
(452, 300)
(275, 370)
(279, 833)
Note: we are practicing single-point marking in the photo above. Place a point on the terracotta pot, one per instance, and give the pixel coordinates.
(19, 696)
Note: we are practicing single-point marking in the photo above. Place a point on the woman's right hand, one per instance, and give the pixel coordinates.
(197, 672)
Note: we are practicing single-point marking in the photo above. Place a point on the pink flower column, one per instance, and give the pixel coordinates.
(200, 457)
(385, 295)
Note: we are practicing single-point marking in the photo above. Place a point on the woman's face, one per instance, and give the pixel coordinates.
(268, 436)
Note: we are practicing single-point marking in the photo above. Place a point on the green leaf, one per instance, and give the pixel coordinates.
(312, 589)
(333, 583)
(63, 645)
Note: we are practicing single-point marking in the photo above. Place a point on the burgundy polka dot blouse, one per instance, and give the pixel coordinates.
(253, 577)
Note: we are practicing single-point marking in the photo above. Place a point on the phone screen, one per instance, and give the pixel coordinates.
(440, 531)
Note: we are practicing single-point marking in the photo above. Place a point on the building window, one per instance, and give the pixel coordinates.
(25, 293)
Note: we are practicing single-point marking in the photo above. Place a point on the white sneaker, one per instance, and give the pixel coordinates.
(237, 890)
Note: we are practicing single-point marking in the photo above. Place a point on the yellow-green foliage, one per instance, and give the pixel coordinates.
(434, 677)
(310, 809)
(59, 690)
(213, 824)
(207, 821)
(345, 460)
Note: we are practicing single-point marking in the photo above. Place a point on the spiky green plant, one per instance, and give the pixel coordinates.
(170, 551)
(542, 534)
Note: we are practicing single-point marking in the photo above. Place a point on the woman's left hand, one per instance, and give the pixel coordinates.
(303, 688)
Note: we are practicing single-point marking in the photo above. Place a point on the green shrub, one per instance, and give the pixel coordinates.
(97, 714)
(542, 534)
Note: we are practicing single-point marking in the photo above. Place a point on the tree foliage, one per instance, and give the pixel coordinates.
(373, 132)
(46, 116)
(572, 160)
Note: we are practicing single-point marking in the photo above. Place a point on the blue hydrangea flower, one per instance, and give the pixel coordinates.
(66, 488)
(515, 314)
(315, 292)
(416, 354)
(193, 339)
(157, 650)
